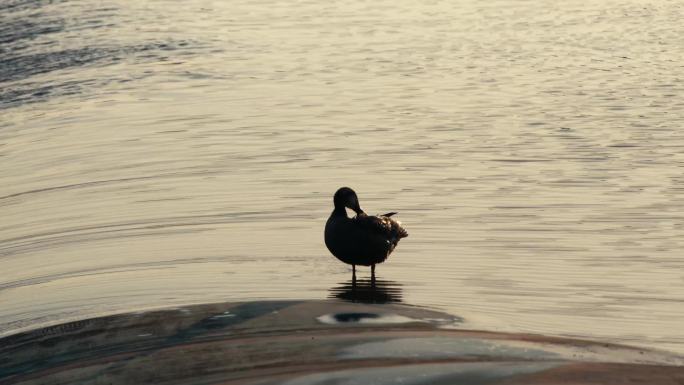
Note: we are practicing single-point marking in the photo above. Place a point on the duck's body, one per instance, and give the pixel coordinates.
(363, 239)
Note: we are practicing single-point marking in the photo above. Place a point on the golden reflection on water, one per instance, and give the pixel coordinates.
(153, 157)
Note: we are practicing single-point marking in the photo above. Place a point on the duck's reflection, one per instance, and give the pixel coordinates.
(368, 291)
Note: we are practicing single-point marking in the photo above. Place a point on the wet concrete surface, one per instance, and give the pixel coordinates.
(314, 342)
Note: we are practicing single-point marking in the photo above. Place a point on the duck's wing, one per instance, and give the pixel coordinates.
(381, 225)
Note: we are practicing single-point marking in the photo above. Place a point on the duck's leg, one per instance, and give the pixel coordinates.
(373, 274)
(353, 275)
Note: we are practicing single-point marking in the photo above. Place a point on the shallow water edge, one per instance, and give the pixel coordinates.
(312, 342)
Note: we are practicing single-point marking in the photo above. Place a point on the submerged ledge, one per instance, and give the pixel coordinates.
(313, 342)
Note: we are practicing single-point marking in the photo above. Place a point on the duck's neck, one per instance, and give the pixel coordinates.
(340, 211)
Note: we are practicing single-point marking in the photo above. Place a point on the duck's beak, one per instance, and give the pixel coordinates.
(357, 210)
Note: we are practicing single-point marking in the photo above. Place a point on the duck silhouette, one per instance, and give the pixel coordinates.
(364, 240)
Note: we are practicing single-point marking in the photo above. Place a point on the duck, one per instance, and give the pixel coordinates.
(363, 239)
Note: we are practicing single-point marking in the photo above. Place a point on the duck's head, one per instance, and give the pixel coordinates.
(346, 197)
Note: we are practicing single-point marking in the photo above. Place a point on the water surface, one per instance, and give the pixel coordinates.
(159, 154)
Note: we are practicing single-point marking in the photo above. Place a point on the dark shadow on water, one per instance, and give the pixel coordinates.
(384, 291)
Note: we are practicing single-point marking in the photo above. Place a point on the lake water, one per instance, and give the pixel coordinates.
(162, 153)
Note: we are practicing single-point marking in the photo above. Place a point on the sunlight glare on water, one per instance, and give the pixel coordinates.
(161, 153)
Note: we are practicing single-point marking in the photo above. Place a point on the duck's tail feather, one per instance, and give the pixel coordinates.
(389, 214)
